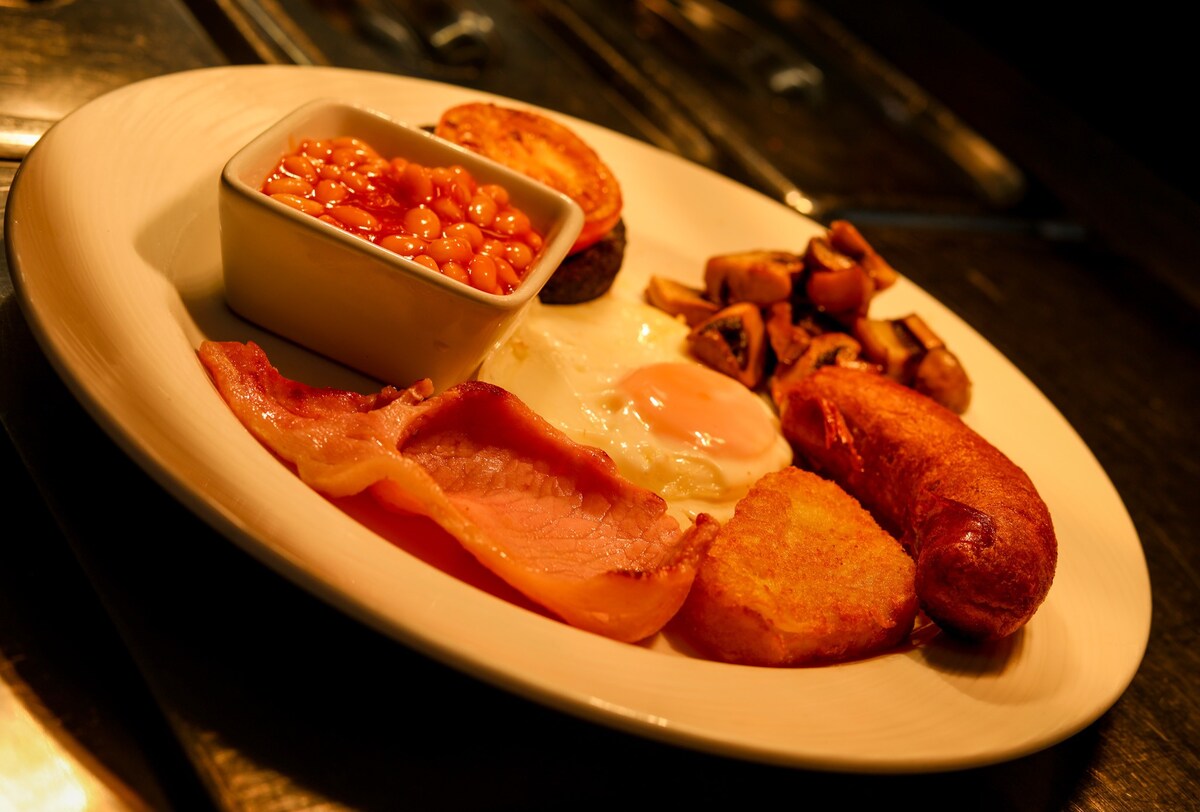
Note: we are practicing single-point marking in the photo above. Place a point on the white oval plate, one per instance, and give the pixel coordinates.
(114, 249)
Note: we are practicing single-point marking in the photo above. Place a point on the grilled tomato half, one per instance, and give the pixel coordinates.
(546, 151)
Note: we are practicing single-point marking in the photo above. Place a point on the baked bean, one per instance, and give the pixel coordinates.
(355, 218)
(496, 193)
(355, 180)
(442, 177)
(427, 261)
(347, 156)
(506, 275)
(406, 245)
(374, 167)
(423, 222)
(449, 249)
(417, 184)
(518, 254)
(289, 186)
(316, 149)
(470, 232)
(482, 210)
(492, 247)
(301, 203)
(456, 271)
(439, 217)
(463, 187)
(512, 222)
(330, 191)
(482, 269)
(344, 141)
(298, 166)
(447, 209)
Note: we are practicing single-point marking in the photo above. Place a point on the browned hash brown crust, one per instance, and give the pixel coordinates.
(800, 575)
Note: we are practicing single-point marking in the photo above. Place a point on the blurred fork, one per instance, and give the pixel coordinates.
(456, 32)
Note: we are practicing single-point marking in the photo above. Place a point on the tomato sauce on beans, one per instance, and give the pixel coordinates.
(437, 216)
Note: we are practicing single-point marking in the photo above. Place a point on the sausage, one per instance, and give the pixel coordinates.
(982, 537)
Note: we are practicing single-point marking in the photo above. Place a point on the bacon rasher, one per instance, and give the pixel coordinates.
(551, 517)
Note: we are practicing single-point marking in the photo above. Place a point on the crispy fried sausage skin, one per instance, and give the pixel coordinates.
(981, 535)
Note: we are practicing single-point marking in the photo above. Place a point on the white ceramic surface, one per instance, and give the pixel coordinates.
(350, 299)
(121, 294)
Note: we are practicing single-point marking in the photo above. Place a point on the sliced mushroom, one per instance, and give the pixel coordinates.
(921, 332)
(757, 277)
(843, 292)
(788, 339)
(822, 255)
(913, 354)
(881, 273)
(826, 349)
(835, 281)
(678, 299)
(940, 376)
(733, 342)
(847, 239)
(888, 343)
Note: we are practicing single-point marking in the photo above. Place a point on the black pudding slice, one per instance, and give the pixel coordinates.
(588, 274)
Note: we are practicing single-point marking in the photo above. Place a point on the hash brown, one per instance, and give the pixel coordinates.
(801, 574)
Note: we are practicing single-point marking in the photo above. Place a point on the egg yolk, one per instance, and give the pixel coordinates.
(699, 407)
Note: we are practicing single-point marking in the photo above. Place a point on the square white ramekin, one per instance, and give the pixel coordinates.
(352, 300)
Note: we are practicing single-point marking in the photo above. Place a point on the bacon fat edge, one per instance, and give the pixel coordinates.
(551, 517)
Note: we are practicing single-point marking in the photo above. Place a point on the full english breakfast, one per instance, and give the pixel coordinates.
(753, 459)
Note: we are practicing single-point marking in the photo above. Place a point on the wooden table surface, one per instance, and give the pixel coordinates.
(233, 689)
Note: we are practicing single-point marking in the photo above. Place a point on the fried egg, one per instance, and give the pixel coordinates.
(615, 373)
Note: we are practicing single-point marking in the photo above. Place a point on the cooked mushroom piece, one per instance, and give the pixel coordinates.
(758, 277)
(940, 376)
(821, 255)
(843, 292)
(826, 349)
(834, 281)
(788, 339)
(921, 332)
(888, 343)
(733, 342)
(847, 239)
(911, 353)
(678, 299)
